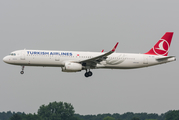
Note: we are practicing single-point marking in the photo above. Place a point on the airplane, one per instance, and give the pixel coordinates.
(74, 61)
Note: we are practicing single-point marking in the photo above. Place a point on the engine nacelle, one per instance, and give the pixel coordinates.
(71, 67)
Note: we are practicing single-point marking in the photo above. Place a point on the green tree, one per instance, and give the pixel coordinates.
(172, 115)
(118, 119)
(31, 117)
(150, 119)
(56, 111)
(109, 118)
(16, 117)
(135, 118)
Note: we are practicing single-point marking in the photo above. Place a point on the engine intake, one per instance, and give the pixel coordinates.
(71, 67)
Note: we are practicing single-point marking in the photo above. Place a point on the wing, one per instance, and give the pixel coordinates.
(95, 60)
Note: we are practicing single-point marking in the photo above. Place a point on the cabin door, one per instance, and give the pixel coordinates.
(23, 55)
(145, 61)
(57, 58)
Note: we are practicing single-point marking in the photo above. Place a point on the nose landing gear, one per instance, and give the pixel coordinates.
(88, 74)
(22, 72)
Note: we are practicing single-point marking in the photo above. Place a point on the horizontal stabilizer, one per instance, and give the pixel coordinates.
(165, 58)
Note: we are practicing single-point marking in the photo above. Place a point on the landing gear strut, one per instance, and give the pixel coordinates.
(22, 72)
(88, 74)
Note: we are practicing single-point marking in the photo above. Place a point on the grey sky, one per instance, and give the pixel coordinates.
(92, 25)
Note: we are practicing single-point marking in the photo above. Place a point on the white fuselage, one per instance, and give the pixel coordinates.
(74, 61)
(59, 58)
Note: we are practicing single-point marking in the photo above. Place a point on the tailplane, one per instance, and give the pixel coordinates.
(162, 46)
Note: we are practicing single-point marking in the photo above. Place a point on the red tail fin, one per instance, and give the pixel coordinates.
(162, 46)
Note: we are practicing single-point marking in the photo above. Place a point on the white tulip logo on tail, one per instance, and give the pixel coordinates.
(161, 48)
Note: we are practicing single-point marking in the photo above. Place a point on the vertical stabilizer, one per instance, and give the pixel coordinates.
(162, 46)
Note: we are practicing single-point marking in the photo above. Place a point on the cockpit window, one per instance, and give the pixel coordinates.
(12, 54)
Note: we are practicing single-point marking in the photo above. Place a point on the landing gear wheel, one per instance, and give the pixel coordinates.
(90, 73)
(86, 74)
(22, 72)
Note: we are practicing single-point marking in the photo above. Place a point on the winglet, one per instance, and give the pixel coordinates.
(102, 50)
(115, 47)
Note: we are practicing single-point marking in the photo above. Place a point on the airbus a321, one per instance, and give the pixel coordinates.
(73, 61)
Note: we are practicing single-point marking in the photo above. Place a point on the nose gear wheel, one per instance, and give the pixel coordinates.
(22, 72)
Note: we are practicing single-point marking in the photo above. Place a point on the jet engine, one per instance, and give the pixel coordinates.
(71, 67)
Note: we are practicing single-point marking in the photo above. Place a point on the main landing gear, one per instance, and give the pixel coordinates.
(22, 72)
(88, 74)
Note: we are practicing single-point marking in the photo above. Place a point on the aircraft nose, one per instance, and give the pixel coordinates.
(5, 59)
